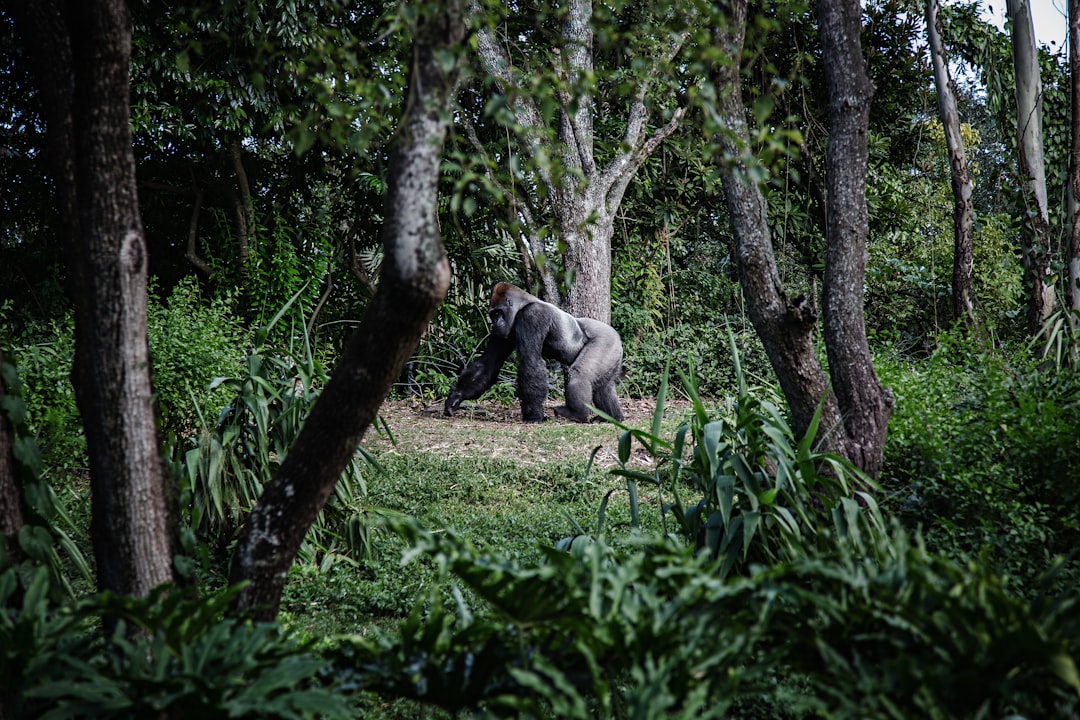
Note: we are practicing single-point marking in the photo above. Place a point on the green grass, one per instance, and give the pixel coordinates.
(501, 505)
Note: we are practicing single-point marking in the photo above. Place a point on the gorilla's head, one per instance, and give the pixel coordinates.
(505, 301)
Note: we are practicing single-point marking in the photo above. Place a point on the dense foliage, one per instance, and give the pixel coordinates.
(818, 610)
(723, 567)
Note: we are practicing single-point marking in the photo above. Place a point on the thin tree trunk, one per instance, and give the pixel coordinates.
(963, 207)
(11, 504)
(12, 518)
(864, 403)
(1031, 166)
(244, 212)
(1073, 292)
(414, 280)
(192, 252)
(785, 326)
(328, 287)
(81, 53)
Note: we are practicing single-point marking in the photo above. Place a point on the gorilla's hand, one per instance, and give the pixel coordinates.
(452, 402)
(563, 411)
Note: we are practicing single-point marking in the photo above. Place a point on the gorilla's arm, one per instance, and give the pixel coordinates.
(542, 330)
(481, 373)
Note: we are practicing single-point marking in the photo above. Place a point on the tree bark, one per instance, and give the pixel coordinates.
(81, 53)
(785, 326)
(414, 280)
(864, 404)
(192, 252)
(244, 212)
(582, 200)
(1031, 166)
(963, 206)
(12, 517)
(1073, 291)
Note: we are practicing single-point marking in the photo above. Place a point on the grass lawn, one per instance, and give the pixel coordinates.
(503, 483)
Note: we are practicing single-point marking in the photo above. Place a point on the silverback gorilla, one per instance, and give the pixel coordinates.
(590, 350)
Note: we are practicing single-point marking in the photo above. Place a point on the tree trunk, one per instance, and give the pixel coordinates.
(1073, 292)
(81, 53)
(1029, 145)
(581, 200)
(244, 213)
(192, 252)
(785, 326)
(864, 403)
(963, 207)
(12, 517)
(415, 278)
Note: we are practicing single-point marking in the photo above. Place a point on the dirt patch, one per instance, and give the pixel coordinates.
(495, 431)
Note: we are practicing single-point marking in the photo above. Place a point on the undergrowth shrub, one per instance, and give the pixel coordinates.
(983, 452)
(192, 342)
(649, 629)
(755, 493)
(186, 661)
(702, 349)
(829, 612)
(43, 355)
(47, 538)
(225, 465)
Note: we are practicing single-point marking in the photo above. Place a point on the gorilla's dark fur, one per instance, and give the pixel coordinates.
(590, 350)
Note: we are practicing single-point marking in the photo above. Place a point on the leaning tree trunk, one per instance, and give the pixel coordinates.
(415, 278)
(1031, 166)
(864, 403)
(81, 53)
(963, 206)
(785, 326)
(1073, 291)
(582, 200)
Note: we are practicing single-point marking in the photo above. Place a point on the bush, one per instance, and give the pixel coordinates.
(186, 662)
(192, 341)
(226, 464)
(843, 619)
(44, 540)
(43, 356)
(757, 493)
(648, 630)
(705, 352)
(983, 452)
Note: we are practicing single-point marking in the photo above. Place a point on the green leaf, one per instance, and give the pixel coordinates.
(624, 447)
(750, 525)
(37, 542)
(1065, 668)
(763, 108)
(36, 598)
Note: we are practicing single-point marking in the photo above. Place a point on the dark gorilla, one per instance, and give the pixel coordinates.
(590, 350)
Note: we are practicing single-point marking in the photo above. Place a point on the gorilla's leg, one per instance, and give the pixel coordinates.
(578, 394)
(605, 398)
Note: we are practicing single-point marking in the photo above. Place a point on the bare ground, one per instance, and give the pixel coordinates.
(492, 430)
